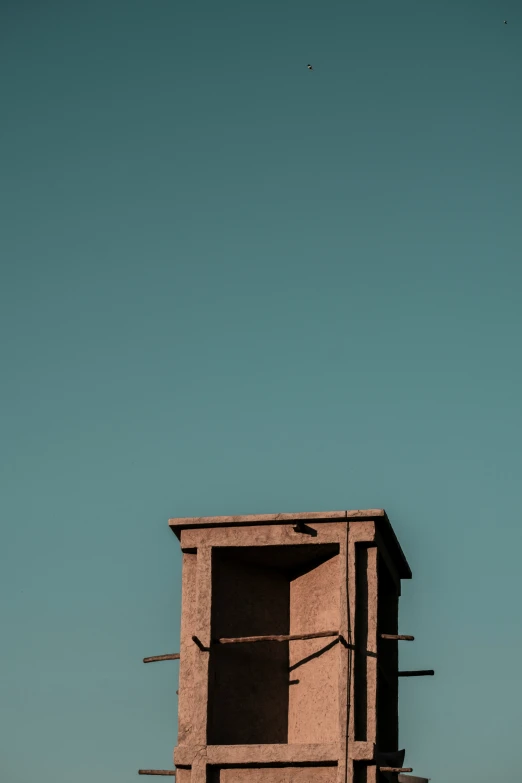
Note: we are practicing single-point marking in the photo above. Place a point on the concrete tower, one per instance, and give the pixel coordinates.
(289, 649)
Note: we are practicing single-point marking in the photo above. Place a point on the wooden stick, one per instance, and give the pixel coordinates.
(171, 772)
(396, 769)
(277, 638)
(397, 637)
(171, 657)
(420, 673)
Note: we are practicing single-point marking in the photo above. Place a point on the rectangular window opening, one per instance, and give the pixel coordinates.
(360, 772)
(273, 692)
(388, 661)
(361, 643)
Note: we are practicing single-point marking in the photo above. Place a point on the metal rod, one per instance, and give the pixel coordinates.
(420, 673)
(171, 772)
(170, 657)
(396, 769)
(397, 637)
(276, 638)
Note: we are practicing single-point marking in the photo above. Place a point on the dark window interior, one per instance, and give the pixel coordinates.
(388, 661)
(249, 683)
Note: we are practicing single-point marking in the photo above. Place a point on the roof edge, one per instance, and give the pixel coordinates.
(177, 524)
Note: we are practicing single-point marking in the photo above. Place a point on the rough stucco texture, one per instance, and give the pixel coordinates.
(314, 607)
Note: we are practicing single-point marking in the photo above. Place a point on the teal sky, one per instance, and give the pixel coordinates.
(229, 285)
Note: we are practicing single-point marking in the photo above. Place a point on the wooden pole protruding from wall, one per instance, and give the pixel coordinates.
(276, 638)
(396, 769)
(397, 637)
(154, 658)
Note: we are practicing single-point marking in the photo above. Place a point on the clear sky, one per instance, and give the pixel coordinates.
(231, 285)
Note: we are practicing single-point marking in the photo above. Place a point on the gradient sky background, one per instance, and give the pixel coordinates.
(230, 285)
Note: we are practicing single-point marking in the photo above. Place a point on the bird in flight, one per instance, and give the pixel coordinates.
(309, 67)
(505, 21)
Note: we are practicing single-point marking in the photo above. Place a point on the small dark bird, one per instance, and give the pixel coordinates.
(309, 67)
(505, 21)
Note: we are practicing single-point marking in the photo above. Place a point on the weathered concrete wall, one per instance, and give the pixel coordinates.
(188, 705)
(277, 712)
(314, 663)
